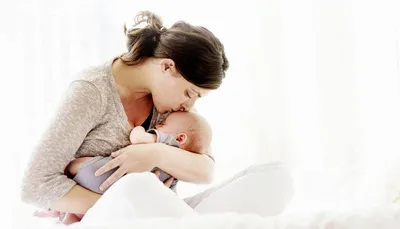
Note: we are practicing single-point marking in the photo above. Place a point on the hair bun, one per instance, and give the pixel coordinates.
(145, 34)
(146, 20)
(198, 54)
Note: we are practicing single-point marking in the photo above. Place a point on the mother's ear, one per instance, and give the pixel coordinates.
(168, 65)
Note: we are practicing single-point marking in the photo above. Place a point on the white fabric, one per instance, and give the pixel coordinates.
(385, 217)
(155, 206)
(262, 189)
(138, 195)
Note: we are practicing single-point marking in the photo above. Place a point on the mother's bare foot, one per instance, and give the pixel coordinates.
(71, 218)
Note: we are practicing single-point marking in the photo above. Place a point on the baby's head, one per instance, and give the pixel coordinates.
(191, 130)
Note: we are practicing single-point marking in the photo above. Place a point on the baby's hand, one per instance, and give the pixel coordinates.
(140, 136)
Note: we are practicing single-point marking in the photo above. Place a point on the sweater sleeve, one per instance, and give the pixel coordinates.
(44, 181)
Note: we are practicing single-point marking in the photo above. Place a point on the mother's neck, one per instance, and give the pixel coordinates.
(131, 81)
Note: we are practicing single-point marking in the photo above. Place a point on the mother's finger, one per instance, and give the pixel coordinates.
(114, 163)
(157, 173)
(118, 152)
(168, 182)
(112, 179)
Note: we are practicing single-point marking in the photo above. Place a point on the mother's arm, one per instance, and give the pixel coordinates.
(183, 165)
(44, 183)
(187, 166)
(179, 163)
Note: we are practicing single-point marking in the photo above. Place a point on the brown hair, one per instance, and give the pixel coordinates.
(198, 55)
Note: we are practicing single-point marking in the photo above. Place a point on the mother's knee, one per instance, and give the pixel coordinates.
(271, 173)
(272, 170)
(272, 182)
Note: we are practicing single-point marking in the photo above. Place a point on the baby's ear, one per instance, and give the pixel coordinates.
(181, 138)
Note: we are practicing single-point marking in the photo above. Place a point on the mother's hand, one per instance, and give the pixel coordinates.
(168, 182)
(131, 159)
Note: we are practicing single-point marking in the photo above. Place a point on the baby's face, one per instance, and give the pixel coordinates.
(191, 130)
(175, 123)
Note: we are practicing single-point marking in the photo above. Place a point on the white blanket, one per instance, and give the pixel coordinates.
(385, 217)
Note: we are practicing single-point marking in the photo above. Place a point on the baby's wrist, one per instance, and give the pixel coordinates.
(143, 138)
(151, 138)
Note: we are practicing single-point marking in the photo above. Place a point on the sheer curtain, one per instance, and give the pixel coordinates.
(314, 84)
(325, 75)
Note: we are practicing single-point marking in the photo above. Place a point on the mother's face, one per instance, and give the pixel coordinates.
(172, 92)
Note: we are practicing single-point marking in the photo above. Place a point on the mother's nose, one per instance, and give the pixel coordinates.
(183, 108)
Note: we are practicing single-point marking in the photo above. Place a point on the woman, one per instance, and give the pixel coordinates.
(164, 70)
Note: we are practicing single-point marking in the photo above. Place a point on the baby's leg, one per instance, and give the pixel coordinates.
(86, 178)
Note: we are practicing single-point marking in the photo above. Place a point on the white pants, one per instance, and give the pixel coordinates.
(261, 189)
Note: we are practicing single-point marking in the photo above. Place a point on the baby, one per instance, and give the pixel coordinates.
(186, 130)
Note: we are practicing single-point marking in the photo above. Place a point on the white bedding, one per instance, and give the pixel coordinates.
(385, 217)
(365, 217)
